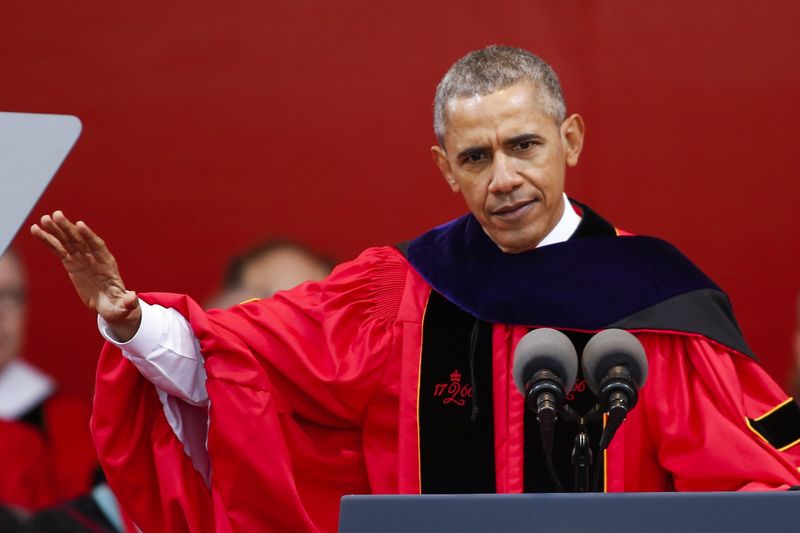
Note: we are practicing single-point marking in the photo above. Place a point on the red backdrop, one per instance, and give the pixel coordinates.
(209, 125)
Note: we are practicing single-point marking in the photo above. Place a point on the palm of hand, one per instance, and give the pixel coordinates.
(98, 284)
(92, 269)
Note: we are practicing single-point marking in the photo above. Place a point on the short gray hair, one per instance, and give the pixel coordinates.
(491, 69)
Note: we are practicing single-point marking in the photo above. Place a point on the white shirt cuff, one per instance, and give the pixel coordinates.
(146, 338)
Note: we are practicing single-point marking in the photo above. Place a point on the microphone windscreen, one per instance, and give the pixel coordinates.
(609, 348)
(545, 348)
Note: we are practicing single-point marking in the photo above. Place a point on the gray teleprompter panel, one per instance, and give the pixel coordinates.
(708, 512)
(32, 148)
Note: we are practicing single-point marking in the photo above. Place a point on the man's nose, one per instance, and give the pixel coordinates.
(504, 177)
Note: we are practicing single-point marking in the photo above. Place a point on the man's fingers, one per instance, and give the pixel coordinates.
(96, 244)
(74, 240)
(50, 226)
(49, 240)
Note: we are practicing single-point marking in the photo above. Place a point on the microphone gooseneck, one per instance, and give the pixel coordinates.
(545, 396)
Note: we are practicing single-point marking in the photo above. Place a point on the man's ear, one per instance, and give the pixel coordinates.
(440, 158)
(572, 132)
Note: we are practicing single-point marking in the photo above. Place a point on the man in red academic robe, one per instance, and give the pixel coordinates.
(393, 375)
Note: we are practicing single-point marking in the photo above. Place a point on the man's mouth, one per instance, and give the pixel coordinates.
(513, 210)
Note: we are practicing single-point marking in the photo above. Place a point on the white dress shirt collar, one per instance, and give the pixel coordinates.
(565, 227)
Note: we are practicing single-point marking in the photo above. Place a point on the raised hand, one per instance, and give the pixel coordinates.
(93, 271)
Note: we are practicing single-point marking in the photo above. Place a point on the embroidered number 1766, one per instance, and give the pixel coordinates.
(453, 392)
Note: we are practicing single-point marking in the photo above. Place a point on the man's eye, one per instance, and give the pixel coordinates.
(525, 145)
(474, 157)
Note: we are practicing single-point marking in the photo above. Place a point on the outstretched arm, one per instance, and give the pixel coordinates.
(93, 271)
(162, 346)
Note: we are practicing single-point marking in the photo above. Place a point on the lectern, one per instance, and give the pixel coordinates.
(707, 512)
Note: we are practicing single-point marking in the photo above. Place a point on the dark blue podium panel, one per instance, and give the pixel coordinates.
(701, 512)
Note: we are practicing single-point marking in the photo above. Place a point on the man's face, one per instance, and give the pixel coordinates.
(507, 158)
(12, 308)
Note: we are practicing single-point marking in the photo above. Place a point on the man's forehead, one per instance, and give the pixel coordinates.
(507, 112)
(518, 95)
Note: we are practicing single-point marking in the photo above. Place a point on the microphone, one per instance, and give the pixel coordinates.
(615, 368)
(545, 365)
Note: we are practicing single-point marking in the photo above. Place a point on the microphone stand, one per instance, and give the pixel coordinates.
(582, 456)
(582, 459)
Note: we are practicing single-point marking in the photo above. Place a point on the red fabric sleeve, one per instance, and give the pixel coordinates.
(145, 465)
(289, 381)
(696, 403)
(323, 345)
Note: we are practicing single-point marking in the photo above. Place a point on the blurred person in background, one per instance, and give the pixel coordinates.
(266, 268)
(48, 456)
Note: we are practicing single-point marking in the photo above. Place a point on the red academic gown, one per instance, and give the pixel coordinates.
(49, 456)
(314, 393)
